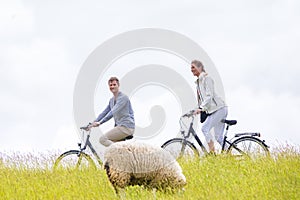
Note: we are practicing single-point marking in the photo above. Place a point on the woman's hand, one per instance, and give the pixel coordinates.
(197, 111)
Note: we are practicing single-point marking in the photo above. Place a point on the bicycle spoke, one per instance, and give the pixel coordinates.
(182, 149)
(244, 145)
(249, 147)
(79, 161)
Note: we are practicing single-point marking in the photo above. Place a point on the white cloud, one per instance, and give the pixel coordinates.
(66, 138)
(36, 88)
(15, 20)
(274, 115)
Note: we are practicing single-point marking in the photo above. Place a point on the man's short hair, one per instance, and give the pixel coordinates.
(113, 79)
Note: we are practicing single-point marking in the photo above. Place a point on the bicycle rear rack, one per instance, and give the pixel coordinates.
(250, 134)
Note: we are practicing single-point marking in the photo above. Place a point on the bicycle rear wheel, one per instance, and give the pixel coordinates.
(180, 148)
(248, 146)
(74, 159)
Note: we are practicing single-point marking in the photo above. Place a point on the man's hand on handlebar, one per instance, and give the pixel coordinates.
(94, 124)
(90, 126)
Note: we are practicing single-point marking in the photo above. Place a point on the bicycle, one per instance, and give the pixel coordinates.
(79, 159)
(246, 144)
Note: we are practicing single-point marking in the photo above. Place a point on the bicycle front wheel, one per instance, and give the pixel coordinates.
(74, 159)
(178, 147)
(249, 146)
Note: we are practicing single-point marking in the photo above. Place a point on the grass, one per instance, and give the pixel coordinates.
(215, 177)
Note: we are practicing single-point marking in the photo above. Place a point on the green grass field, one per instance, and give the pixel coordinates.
(220, 177)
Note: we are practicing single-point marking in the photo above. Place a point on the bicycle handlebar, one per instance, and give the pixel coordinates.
(86, 128)
(189, 114)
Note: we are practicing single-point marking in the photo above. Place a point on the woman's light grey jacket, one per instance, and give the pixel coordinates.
(208, 100)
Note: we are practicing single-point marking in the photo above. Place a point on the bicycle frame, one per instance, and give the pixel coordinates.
(87, 143)
(81, 154)
(240, 145)
(194, 134)
(225, 139)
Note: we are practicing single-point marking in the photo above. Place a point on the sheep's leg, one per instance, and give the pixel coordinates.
(120, 192)
(116, 190)
(119, 181)
(159, 182)
(123, 179)
(154, 192)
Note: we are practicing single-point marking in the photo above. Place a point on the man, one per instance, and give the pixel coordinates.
(120, 109)
(211, 103)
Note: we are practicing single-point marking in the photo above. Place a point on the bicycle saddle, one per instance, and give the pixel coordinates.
(229, 122)
(128, 137)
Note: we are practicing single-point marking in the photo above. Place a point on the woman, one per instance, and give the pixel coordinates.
(211, 103)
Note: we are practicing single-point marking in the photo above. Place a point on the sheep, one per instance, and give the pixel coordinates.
(131, 163)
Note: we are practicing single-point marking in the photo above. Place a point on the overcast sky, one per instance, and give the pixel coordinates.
(254, 45)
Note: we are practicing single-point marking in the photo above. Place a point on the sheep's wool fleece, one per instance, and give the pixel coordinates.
(140, 158)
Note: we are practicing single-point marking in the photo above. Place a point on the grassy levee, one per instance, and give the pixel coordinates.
(215, 177)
